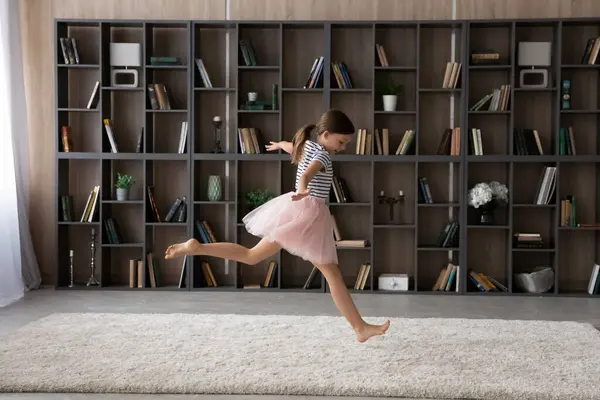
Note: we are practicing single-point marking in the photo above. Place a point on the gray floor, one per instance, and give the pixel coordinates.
(40, 303)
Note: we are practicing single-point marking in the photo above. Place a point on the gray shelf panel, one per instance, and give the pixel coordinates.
(394, 226)
(396, 68)
(214, 89)
(167, 224)
(79, 66)
(121, 156)
(123, 201)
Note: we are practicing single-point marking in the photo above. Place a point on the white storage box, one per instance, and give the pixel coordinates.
(393, 282)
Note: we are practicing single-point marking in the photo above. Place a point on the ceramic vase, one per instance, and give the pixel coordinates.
(389, 102)
(122, 194)
(214, 188)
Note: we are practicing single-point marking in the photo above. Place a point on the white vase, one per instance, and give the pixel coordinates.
(389, 102)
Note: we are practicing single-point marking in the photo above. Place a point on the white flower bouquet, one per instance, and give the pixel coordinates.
(488, 195)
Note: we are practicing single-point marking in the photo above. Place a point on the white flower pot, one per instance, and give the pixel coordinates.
(389, 102)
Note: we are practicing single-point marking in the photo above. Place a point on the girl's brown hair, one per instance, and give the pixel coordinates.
(333, 121)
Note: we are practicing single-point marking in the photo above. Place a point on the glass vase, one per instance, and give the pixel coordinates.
(486, 216)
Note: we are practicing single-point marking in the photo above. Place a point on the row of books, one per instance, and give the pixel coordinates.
(159, 96)
(526, 142)
(110, 132)
(527, 240)
(316, 74)
(361, 277)
(365, 146)
(448, 276)
(140, 278)
(449, 235)
(251, 141)
(68, 145)
(485, 283)
(205, 231)
(203, 73)
(590, 54)
(112, 230)
(451, 75)
(270, 280)
(69, 49)
(340, 192)
(381, 55)
(247, 52)
(450, 143)
(499, 100)
(546, 185)
(568, 215)
(177, 212)
(425, 190)
(340, 74)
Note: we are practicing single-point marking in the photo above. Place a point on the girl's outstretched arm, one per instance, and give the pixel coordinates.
(288, 147)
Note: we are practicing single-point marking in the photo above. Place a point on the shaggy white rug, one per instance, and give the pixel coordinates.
(302, 355)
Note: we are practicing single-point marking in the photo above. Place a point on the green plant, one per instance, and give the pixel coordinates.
(388, 85)
(124, 181)
(256, 198)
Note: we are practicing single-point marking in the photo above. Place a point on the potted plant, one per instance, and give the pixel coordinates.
(124, 183)
(257, 198)
(390, 90)
(487, 196)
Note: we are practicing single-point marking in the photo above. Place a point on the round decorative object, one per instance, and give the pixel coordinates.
(214, 188)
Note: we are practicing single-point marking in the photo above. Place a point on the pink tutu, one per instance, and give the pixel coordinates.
(303, 228)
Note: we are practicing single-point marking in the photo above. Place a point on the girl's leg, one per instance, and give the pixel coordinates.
(343, 301)
(230, 251)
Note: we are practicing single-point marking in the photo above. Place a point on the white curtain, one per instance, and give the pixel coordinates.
(18, 265)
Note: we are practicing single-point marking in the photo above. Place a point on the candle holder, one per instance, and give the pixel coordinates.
(217, 132)
(391, 201)
(71, 270)
(93, 281)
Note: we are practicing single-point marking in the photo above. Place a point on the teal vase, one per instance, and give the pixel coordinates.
(214, 188)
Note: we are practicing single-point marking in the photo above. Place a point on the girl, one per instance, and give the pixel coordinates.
(299, 222)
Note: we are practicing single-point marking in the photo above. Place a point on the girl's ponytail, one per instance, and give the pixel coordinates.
(301, 136)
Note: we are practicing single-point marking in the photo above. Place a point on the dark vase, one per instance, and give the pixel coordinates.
(486, 216)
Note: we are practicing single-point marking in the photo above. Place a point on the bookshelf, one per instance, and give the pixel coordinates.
(168, 146)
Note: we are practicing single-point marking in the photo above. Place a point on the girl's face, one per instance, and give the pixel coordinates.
(334, 142)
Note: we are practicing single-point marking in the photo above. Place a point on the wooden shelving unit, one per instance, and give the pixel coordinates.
(284, 52)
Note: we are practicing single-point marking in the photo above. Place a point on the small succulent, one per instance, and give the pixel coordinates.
(124, 181)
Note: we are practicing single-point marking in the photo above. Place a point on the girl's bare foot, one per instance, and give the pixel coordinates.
(182, 249)
(366, 331)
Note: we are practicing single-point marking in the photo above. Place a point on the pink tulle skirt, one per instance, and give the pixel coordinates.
(303, 228)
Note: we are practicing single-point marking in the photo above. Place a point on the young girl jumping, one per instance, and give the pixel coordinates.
(299, 221)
